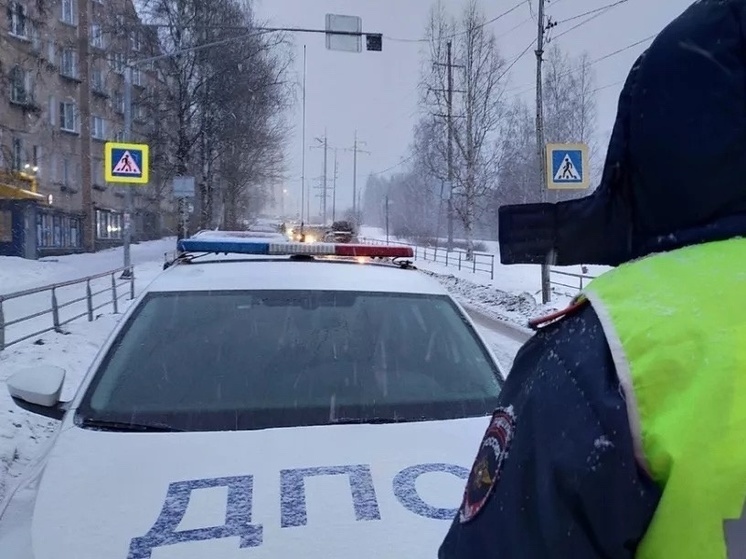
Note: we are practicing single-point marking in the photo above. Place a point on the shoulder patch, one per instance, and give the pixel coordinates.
(488, 464)
(543, 321)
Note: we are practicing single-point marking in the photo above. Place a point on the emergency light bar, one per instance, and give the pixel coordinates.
(290, 249)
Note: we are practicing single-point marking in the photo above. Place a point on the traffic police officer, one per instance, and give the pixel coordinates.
(621, 431)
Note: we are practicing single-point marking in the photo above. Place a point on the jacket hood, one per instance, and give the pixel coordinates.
(675, 170)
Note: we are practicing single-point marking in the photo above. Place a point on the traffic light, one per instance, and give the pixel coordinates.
(374, 41)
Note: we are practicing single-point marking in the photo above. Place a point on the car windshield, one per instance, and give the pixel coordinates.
(241, 360)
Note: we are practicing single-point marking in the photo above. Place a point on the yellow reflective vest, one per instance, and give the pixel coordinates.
(676, 326)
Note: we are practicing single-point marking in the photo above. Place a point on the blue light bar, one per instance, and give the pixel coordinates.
(223, 246)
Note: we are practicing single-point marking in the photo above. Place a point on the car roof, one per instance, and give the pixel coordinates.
(287, 274)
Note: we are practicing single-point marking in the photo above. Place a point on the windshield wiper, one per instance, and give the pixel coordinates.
(127, 426)
(366, 420)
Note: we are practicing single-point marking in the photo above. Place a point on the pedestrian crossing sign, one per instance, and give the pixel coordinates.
(126, 163)
(567, 167)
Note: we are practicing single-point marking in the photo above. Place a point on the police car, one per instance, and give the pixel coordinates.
(262, 399)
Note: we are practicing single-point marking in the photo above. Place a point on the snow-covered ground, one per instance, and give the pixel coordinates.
(17, 274)
(513, 295)
(22, 433)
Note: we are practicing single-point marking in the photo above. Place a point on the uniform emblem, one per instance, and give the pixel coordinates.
(488, 464)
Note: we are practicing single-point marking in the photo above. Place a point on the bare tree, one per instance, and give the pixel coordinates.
(569, 102)
(226, 95)
(478, 107)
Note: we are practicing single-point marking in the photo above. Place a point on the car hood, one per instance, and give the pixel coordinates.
(372, 491)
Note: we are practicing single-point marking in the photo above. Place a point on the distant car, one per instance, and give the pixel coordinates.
(285, 401)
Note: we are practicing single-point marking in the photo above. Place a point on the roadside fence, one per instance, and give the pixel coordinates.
(481, 263)
(32, 312)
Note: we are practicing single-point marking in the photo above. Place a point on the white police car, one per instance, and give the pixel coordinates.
(279, 402)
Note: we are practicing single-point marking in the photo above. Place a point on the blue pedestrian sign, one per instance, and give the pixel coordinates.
(567, 167)
(126, 163)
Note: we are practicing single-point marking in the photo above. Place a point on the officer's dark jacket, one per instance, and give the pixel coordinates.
(675, 175)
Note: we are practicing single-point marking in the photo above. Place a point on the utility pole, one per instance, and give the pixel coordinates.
(89, 215)
(355, 150)
(334, 188)
(303, 141)
(323, 192)
(449, 91)
(323, 143)
(546, 288)
(450, 146)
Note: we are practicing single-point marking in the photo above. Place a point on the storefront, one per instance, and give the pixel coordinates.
(58, 232)
(109, 228)
(18, 204)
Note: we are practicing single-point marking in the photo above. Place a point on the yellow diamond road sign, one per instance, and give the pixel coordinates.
(126, 163)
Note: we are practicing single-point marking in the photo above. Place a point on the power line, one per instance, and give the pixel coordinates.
(596, 13)
(621, 50)
(590, 12)
(516, 59)
(460, 33)
(524, 88)
(402, 162)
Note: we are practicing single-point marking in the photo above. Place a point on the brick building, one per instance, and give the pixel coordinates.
(62, 66)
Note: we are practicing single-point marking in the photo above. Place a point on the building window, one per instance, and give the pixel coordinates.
(97, 36)
(51, 110)
(68, 64)
(67, 116)
(118, 63)
(69, 175)
(36, 156)
(18, 21)
(119, 136)
(117, 103)
(137, 77)
(97, 80)
(20, 85)
(51, 51)
(17, 154)
(57, 231)
(138, 112)
(36, 42)
(135, 43)
(68, 11)
(108, 225)
(98, 126)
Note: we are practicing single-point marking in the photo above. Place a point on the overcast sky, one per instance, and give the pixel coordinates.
(375, 93)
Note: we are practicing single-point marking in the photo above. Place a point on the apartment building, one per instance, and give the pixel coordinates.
(61, 98)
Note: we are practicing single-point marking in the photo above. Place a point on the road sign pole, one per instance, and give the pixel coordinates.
(127, 187)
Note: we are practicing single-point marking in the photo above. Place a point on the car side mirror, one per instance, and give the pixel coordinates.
(38, 390)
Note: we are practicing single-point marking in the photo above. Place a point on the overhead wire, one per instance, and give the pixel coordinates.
(460, 33)
(593, 11)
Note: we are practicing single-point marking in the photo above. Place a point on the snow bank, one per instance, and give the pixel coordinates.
(17, 274)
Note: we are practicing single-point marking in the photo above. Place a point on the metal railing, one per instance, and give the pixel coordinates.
(56, 307)
(481, 262)
(579, 281)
